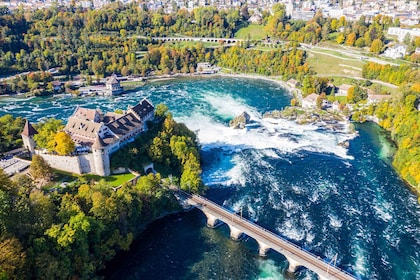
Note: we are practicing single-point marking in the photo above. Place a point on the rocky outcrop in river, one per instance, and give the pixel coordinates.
(329, 120)
(240, 121)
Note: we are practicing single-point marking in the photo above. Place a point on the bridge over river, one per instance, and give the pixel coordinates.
(295, 255)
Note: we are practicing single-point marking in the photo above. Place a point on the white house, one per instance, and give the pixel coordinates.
(376, 98)
(113, 86)
(206, 68)
(310, 101)
(343, 90)
(293, 83)
(402, 32)
(397, 51)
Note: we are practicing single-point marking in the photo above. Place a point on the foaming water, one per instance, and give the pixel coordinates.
(269, 271)
(295, 180)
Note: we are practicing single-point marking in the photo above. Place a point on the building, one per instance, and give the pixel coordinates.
(113, 86)
(402, 32)
(376, 98)
(293, 83)
(343, 90)
(57, 85)
(206, 68)
(310, 101)
(335, 106)
(27, 135)
(96, 136)
(397, 51)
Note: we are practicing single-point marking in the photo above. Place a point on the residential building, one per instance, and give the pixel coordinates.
(376, 98)
(206, 68)
(113, 86)
(402, 32)
(397, 51)
(293, 83)
(310, 101)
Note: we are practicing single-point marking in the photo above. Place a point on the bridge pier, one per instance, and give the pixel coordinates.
(263, 249)
(293, 265)
(235, 233)
(212, 221)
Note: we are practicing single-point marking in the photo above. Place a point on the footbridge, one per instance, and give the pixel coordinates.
(295, 255)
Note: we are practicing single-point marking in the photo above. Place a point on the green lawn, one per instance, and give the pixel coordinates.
(113, 180)
(336, 53)
(132, 85)
(327, 65)
(338, 81)
(255, 32)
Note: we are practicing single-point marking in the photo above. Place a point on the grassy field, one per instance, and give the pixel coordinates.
(113, 180)
(327, 65)
(131, 85)
(255, 32)
(68, 178)
(336, 53)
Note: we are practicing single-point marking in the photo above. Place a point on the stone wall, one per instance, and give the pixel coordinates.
(65, 163)
(87, 164)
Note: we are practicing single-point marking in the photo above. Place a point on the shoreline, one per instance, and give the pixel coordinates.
(295, 92)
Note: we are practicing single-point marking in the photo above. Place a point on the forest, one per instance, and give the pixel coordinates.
(72, 231)
(118, 38)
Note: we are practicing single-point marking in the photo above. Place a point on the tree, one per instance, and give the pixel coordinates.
(320, 100)
(341, 38)
(46, 133)
(360, 43)
(356, 94)
(407, 39)
(161, 110)
(12, 258)
(351, 39)
(40, 169)
(190, 178)
(376, 46)
(64, 145)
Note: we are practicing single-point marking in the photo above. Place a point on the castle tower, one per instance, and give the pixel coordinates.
(101, 157)
(28, 137)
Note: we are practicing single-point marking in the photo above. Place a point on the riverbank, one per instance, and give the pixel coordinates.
(390, 148)
(297, 93)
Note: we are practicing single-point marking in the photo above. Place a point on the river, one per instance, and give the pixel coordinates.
(294, 180)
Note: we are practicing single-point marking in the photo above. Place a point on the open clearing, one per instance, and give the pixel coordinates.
(331, 65)
(255, 32)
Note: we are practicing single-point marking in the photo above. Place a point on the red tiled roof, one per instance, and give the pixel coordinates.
(29, 130)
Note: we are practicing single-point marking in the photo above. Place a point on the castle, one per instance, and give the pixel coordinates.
(96, 136)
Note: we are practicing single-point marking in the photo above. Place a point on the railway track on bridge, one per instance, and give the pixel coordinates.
(296, 255)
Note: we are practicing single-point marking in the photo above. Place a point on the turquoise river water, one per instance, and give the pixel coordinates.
(295, 180)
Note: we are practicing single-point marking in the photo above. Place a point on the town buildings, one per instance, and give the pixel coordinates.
(407, 11)
(96, 136)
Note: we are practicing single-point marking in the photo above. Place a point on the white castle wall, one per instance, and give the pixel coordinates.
(81, 164)
(86, 162)
(65, 163)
